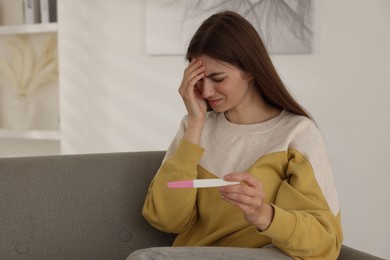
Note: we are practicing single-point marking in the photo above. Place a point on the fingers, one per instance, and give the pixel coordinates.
(192, 74)
(247, 194)
(196, 106)
(246, 178)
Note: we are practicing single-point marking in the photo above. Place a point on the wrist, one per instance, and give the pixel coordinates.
(194, 130)
(196, 120)
(266, 217)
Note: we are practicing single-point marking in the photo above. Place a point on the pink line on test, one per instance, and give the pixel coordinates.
(180, 184)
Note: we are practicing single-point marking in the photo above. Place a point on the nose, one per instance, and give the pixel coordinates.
(207, 88)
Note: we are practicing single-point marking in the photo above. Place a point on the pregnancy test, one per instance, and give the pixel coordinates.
(203, 183)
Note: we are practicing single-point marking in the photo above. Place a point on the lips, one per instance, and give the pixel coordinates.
(214, 102)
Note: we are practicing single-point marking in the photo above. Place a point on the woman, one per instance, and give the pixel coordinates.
(243, 125)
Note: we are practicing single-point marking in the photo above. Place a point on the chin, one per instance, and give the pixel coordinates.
(218, 110)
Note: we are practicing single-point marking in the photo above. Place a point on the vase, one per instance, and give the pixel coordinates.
(18, 112)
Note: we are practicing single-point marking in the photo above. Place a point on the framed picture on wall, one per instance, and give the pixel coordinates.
(285, 26)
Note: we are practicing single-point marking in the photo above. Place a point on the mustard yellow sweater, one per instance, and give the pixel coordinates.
(287, 154)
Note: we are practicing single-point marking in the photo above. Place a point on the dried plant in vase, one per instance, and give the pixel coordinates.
(23, 72)
(27, 71)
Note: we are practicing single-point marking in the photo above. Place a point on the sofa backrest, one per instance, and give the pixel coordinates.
(76, 206)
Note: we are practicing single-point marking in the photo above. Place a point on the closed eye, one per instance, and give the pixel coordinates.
(217, 76)
(218, 80)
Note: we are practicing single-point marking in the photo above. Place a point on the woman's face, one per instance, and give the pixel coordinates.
(224, 86)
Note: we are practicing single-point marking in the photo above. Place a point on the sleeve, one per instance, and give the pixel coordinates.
(173, 210)
(306, 222)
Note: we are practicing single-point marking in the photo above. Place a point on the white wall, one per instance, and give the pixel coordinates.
(113, 96)
(116, 98)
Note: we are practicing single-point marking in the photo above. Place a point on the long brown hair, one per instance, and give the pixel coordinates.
(229, 37)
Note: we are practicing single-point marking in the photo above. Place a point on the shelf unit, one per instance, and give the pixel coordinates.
(28, 29)
(9, 30)
(30, 134)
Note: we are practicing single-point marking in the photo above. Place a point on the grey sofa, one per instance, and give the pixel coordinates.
(81, 207)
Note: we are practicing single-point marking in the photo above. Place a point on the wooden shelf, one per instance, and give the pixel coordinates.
(30, 134)
(28, 28)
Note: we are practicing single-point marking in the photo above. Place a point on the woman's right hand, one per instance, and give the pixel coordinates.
(195, 104)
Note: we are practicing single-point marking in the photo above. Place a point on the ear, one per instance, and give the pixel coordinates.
(246, 75)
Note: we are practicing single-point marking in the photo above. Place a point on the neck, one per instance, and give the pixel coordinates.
(246, 120)
(257, 111)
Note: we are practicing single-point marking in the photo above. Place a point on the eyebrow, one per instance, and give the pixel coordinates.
(214, 74)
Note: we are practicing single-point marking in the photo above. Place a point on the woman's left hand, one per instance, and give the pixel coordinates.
(249, 197)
